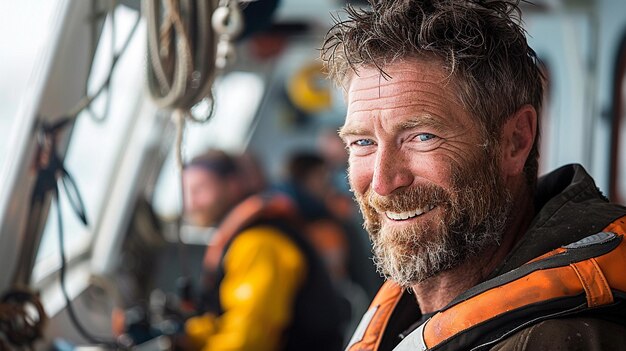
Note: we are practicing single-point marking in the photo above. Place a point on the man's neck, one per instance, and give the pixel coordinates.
(435, 293)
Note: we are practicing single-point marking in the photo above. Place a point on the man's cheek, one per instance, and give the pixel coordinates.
(360, 174)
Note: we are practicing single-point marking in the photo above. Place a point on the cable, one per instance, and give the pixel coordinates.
(179, 119)
(107, 104)
(62, 271)
(55, 166)
(86, 101)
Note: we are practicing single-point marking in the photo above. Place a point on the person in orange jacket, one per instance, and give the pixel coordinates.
(265, 287)
(443, 101)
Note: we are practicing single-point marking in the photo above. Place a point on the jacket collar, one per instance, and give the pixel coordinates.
(569, 207)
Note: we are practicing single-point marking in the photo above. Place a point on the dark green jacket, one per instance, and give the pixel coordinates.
(571, 207)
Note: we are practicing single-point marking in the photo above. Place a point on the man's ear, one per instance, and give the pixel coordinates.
(518, 136)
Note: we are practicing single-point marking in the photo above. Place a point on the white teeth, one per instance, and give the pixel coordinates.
(409, 214)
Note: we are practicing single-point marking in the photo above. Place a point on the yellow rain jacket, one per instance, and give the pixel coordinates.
(273, 292)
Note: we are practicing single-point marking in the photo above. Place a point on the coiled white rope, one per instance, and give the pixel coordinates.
(181, 52)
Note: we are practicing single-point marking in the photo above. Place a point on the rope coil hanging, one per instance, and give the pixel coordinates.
(188, 40)
(183, 49)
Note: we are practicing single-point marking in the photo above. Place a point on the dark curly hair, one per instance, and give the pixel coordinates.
(480, 43)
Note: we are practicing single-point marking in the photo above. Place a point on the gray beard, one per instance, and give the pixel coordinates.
(416, 259)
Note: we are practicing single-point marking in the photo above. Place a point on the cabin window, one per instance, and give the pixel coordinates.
(97, 142)
(26, 34)
(617, 183)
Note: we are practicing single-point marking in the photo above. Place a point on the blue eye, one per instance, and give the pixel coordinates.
(364, 142)
(426, 136)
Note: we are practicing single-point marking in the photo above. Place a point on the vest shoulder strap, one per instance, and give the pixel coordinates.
(369, 333)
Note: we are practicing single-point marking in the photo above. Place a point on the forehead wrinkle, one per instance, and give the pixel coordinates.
(375, 90)
(364, 103)
(406, 106)
(401, 93)
(397, 107)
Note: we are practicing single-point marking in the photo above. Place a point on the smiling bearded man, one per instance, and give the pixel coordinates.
(443, 102)
(472, 217)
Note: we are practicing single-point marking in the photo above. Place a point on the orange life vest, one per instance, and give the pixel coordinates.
(585, 276)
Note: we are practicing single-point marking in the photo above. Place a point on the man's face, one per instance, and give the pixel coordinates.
(206, 198)
(427, 182)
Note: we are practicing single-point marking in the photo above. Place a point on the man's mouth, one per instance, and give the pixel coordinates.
(402, 216)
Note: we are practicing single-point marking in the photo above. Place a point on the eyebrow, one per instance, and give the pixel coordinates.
(346, 130)
(421, 121)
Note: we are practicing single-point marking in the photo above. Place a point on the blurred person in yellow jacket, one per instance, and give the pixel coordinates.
(264, 286)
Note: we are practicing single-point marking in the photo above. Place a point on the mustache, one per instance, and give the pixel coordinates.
(408, 199)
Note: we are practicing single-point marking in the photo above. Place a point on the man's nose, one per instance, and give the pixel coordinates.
(391, 171)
